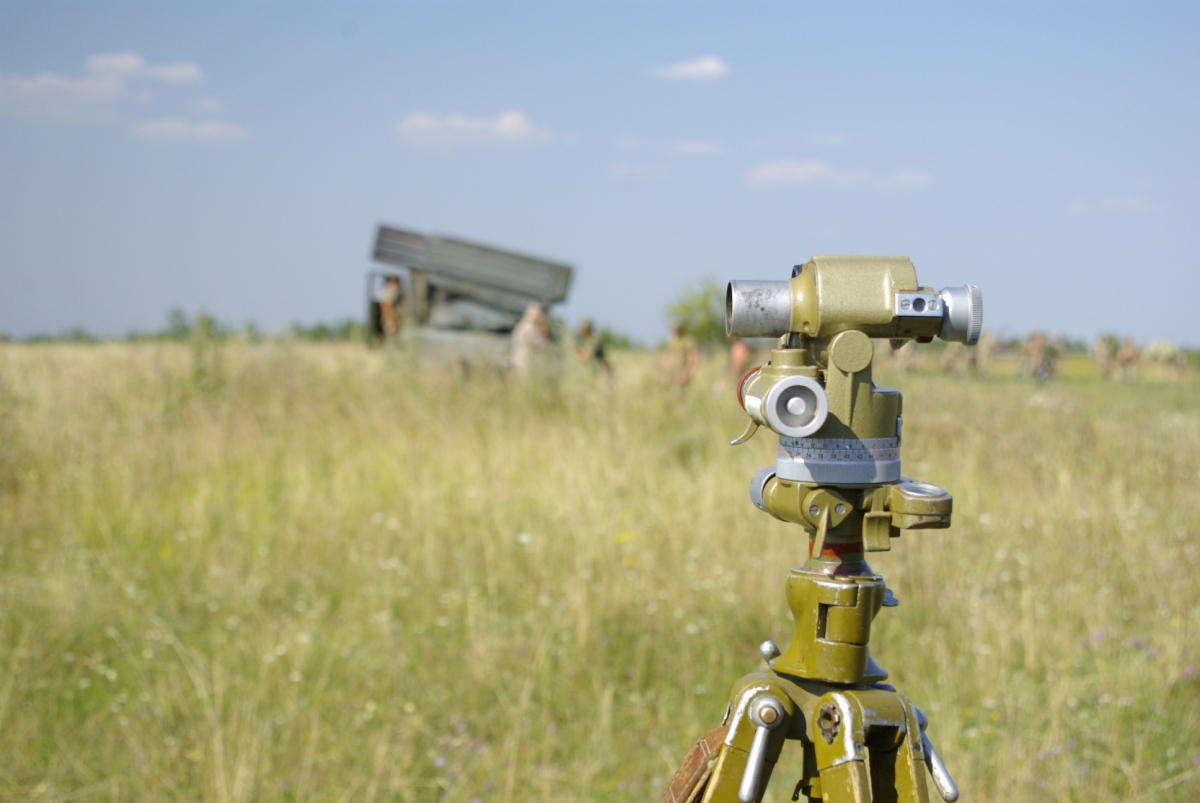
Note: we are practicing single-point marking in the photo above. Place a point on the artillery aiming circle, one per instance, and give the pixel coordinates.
(837, 475)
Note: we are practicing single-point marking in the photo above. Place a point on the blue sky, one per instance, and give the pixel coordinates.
(237, 157)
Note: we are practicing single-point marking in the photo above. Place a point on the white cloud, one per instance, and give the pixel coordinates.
(703, 68)
(816, 172)
(129, 64)
(510, 127)
(903, 181)
(208, 106)
(803, 171)
(1114, 205)
(832, 138)
(176, 129)
(49, 96)
(696, 147)
(637, 171)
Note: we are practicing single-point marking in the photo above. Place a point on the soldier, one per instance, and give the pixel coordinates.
(983, 352)
(956, 358)
(1127, 361)
(680, 358)
(391, 300)
(1040, 356)
(739, 356)
(1103, 353)
(589, 349)
(529, 337)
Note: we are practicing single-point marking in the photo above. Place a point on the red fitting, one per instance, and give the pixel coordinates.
(742, 383)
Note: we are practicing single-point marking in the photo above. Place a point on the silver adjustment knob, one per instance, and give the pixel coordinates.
(962, 314)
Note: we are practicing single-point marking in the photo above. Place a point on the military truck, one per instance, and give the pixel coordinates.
(461, 299)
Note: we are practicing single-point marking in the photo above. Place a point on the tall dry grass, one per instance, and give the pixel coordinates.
(285, 572)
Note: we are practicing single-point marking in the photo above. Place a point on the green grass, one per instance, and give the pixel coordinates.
(301, 572)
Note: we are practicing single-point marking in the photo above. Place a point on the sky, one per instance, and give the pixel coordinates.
(237, 157)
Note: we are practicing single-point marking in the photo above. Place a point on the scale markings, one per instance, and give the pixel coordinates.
(840, 450)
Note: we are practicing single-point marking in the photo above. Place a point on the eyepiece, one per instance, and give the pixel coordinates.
(962, 314)
(758, 309)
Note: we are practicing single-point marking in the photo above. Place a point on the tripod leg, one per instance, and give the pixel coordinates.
(746, 747)
(868, 747)
(729, 784)
(910, 758)
(840, 743)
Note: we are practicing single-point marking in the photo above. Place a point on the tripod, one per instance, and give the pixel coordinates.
(837, 475)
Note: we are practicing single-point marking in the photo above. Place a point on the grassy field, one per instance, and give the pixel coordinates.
(295, 573)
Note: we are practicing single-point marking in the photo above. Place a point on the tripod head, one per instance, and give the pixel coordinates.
(837, 469)
(838, 463)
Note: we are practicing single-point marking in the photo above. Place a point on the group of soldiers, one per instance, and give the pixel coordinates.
(535, 341)
(955, 359)
(1116, 360)
(533, 337)
(1039, 357)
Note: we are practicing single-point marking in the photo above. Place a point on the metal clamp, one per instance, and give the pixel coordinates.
(767, 714)
(918, 305)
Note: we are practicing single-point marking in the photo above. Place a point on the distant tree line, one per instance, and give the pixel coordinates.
(180, 327)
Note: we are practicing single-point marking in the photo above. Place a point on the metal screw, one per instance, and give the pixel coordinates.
(769, 650)
(768, 714)
(840, 509)
(829, 720)
(813, 510)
